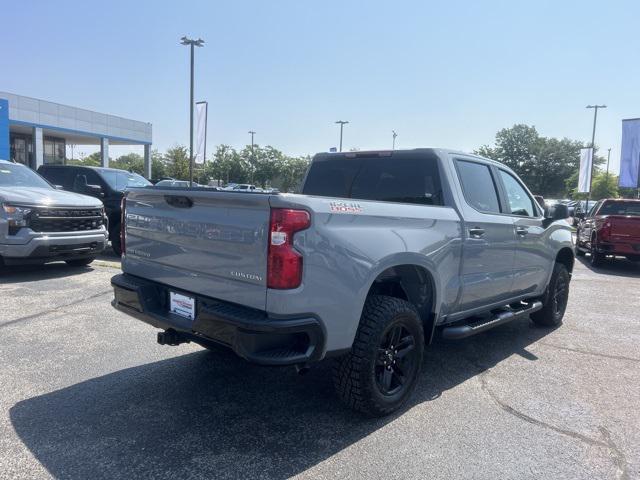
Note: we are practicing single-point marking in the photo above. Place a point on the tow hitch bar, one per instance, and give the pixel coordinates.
(171, 337)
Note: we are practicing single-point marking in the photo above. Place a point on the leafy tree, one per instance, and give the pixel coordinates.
(228, 166)
(131, 162)
(514, 146)
(158, 165)
(177, 162)
(545, 164)
(268, 165)
(292, 173)
(93, 160)
(604, 186)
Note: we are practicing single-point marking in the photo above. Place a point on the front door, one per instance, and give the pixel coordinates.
(533, 259)
(489, 239)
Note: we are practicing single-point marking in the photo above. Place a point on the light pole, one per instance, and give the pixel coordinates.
(253, 156)
(593, 152)
(608, 158)
(342, 124)
(394, 139)
(192, 44)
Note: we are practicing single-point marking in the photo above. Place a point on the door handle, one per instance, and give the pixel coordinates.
(476, 232)
(522, 230)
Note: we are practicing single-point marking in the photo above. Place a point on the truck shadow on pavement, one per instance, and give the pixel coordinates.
(212, 415)
(48, 271)
(620, 267)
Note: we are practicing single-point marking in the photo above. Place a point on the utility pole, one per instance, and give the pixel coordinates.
(608, 158)
(253, 156)
(593, 152)
(342, 124)
(394, 139)
(192, 44)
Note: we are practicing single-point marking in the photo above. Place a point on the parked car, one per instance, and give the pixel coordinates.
(379, 251)
(241, 187)
(176, 183)
(612, 227)
(40, 224)
(106, 184)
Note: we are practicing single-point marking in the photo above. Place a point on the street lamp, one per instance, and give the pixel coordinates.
(593, 150)
(253, 156)
(394, 139)
(342, 124)
(192, 43)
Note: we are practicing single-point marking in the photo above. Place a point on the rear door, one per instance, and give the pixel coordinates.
(489, 238)
(531, 268)
(209, 243)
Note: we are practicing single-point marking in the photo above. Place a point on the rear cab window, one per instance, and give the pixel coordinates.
(478, 186)
(613, 207)
(411, 178)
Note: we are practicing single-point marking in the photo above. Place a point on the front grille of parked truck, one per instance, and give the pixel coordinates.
(44, 219)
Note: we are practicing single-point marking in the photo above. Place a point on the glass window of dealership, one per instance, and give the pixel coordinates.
(34, 132)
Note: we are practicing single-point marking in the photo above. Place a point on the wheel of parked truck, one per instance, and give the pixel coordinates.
(80, 262)
(597, 259)
(380, 372)
(576, 249)
(554, 302)
(115, 243)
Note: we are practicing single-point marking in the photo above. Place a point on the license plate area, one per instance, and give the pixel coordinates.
(182, 305)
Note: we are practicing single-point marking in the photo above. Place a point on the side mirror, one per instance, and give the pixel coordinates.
(94, 190)
(556, 212)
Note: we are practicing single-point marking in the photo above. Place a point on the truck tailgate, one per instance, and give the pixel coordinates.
(201, 241)
(625, 228)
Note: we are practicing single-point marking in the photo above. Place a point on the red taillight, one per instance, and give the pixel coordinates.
(284, 264)
(605, 231)
(123, 203)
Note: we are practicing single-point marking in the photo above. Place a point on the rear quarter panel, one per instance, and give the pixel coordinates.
(350, 242)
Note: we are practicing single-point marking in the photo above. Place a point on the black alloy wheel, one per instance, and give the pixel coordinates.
(397, 360)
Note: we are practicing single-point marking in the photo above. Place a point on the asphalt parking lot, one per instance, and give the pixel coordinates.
(87, 393)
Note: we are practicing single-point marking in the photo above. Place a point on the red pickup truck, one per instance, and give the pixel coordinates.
(612, 227)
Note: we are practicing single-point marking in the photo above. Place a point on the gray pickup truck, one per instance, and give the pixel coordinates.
(381, 251)
(40, 224)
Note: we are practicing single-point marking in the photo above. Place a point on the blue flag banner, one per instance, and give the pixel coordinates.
(630, 155)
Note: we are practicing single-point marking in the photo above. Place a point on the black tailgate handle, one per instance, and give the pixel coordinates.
(178, 201)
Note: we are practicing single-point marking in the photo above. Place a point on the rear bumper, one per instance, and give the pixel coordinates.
(49, 248)
(618, 248)
(250, 333)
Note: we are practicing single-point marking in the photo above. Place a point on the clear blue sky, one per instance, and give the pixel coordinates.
(440, 73)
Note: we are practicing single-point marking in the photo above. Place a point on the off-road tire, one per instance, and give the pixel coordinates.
(80, 262)
(554, 301)
(355, 374)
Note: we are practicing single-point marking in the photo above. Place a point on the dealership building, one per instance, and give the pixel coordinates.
(36, 132)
